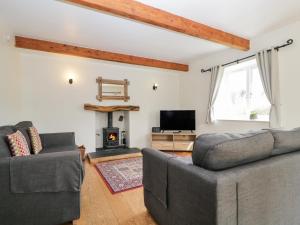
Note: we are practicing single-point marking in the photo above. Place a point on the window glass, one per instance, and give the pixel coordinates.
(241, 95)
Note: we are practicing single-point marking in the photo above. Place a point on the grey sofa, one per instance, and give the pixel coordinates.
(41, 189)
(231, 179)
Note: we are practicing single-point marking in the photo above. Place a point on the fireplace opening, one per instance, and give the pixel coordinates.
(110, 133)
(112, 136)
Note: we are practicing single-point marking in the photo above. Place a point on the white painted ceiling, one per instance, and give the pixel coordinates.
(56, 20)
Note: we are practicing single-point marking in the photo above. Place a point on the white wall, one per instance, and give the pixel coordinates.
(10, 103)
(33, 86)
(194, 87)
(55, 106)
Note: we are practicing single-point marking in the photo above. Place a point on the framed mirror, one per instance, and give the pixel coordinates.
(112, 89)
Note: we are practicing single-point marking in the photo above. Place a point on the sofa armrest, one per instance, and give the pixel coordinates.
(49, 172)
(58, 139)
(155, 174)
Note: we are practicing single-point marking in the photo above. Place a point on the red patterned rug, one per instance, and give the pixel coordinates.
(121, 175)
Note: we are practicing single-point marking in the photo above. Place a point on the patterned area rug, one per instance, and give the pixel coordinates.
(121, 175)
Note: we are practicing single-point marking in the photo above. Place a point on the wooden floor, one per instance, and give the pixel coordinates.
(100, 207)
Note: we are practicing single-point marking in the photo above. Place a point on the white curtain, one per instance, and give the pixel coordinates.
(267, 62)
(216, 77)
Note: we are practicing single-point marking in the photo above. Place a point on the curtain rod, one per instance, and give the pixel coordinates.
(288, 42)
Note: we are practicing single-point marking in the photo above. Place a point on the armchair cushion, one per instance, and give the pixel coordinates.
(4, 145)
(18, 144)
(36, 142)
(23, 128)
(55, 172)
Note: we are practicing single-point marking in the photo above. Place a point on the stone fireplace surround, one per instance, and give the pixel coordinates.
(112, 152)
(112, 126)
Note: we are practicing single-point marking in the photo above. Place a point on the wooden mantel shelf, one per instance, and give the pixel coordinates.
(112, 108)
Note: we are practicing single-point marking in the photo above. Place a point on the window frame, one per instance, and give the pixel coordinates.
(249, 77)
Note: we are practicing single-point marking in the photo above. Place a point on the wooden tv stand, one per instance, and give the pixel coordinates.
(169, 141)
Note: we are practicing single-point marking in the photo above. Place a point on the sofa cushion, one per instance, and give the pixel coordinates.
(23, 127)
(286, 141)
(222, 151)
(18, 144)
(35, 139)
(4, 145)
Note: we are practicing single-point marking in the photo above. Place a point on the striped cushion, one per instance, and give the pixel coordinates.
(35, 140)
(18, 144)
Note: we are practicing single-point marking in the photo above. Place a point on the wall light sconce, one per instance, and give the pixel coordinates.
(70, 77)
(155, 86)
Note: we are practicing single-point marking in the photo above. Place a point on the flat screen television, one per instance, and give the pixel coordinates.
(177, 120)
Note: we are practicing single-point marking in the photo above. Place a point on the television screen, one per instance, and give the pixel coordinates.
(177, 120)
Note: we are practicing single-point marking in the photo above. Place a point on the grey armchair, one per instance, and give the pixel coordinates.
(41, 189)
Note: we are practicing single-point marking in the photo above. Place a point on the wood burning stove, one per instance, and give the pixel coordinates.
(110, 133)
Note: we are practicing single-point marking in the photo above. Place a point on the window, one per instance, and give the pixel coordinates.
(241, 95)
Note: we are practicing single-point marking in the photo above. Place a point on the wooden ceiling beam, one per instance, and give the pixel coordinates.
(147, 14)
(47, 46)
